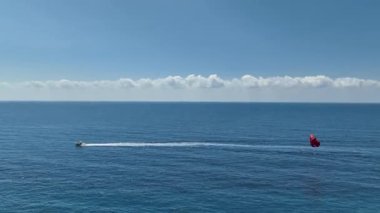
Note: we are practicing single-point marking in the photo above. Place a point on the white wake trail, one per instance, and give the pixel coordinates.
(172, 144)
(277, 148)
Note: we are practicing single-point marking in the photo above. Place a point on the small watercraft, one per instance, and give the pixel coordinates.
(79, 144)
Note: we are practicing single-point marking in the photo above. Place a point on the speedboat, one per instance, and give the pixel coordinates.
(79, 144)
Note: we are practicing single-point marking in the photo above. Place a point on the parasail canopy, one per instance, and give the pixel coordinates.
(314, 141)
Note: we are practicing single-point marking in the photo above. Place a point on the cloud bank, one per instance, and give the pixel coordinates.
(199, 88)
(201, 82)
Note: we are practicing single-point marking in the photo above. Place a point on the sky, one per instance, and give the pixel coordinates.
(62, 49)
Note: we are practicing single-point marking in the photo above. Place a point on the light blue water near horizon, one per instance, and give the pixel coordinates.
(207, 157)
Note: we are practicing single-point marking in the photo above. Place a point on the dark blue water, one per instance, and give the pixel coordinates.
(275, 170)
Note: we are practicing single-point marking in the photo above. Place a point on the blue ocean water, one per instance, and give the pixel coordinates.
(209, 157)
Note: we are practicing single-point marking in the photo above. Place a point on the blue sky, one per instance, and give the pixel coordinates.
(95, 40)
(190, 50)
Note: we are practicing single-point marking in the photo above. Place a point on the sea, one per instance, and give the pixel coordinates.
(189, 157)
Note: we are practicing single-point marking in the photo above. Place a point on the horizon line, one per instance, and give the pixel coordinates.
(163, 101)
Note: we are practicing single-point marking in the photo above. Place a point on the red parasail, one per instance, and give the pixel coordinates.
(314, 141)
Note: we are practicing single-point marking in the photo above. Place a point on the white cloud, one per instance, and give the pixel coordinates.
(199, 82)
(197, 87)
